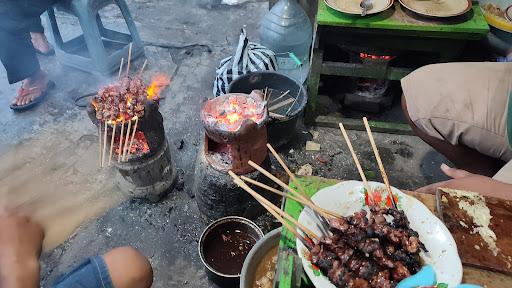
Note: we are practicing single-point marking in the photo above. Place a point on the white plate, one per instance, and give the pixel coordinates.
(346, 198)
(352, 6)
(438, 8)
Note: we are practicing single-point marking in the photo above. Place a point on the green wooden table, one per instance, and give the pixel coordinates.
(391, 32)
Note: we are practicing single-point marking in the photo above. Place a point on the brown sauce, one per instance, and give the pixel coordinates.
(266, 271)
(227, 250)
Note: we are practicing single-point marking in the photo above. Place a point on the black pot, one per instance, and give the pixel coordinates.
(280, 131)
(231, 222)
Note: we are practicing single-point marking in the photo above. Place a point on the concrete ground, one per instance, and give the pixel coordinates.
(49, 155)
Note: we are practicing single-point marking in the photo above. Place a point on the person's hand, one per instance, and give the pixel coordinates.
(20, 247)
(464, 180)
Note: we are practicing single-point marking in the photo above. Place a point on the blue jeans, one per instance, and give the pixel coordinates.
(93, 273)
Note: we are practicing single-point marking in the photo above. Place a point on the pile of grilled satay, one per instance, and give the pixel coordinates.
(376, 249)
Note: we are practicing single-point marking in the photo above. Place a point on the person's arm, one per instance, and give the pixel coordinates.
(463, 180)
(20, 246)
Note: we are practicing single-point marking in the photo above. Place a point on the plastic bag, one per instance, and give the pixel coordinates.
(249, 57)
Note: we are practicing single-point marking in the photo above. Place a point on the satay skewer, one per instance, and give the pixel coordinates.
(120, 69)
(121, 143)
(99, 141)
(323, 213)
(379, 161)
(133, 136)
(104, 145)
(143, 67)
(127, 140)
(289, 172)
(129, 59)
(276, 212)
(112, 144)
(358, 165)
(287, 195)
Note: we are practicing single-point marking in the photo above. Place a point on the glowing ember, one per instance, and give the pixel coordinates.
(375, 57)
(139, 147)
(158, 83)
(229, 111)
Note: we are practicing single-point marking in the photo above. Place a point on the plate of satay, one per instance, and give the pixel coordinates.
(375, 245)
(361, 233)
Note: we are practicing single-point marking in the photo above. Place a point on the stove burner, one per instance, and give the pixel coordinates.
(236, 131)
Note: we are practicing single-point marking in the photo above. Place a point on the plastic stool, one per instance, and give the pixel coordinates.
(98, 50)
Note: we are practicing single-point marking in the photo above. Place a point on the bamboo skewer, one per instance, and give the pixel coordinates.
(99, 141)
(133, 136)
(321, 211)
(104, 145)
(112, 144)
(290, 174)
(265, 94)
(281, 96)
(276, 212)
(143, 67)
(263, 201)
(120, 69)
(379, 161)
(358, 165)
(273, 190)
(281, 104)
(129, 59)
(120, 143)
(127, 140)
(287, 195)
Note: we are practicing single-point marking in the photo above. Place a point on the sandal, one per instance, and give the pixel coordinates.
(36, 101)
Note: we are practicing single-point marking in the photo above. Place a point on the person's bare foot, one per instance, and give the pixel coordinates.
(31, 88)
(41, 43)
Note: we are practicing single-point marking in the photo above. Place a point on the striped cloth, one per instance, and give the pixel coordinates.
(249, 57)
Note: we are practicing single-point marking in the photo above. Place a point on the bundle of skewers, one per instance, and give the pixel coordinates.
(121, 104)
(362, 250)
(282, 101)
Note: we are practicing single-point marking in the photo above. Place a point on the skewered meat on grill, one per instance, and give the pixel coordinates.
(122, 100)
(365, 250)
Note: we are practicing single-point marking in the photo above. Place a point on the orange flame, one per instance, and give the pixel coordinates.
(158, 83)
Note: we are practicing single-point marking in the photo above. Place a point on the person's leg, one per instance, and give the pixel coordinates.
(461, 156)
(460, 109)
(17, 53)
(123, 267)
(128, 268)
(38, 38)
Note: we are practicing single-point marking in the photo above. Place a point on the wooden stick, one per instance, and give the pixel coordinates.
(120, 143)
(133, 136)
(129, 59)
(275, 191)
(275, 211)
(104, 145)
(281, 104)
(358, 165)
(127, 141)
(290, 174)
(99, 141)
(282, 95)
(322, 212)
(143, 66)
(379, 161)
(112, 144)
(120, 69)
(265, 94)
(302, 195)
